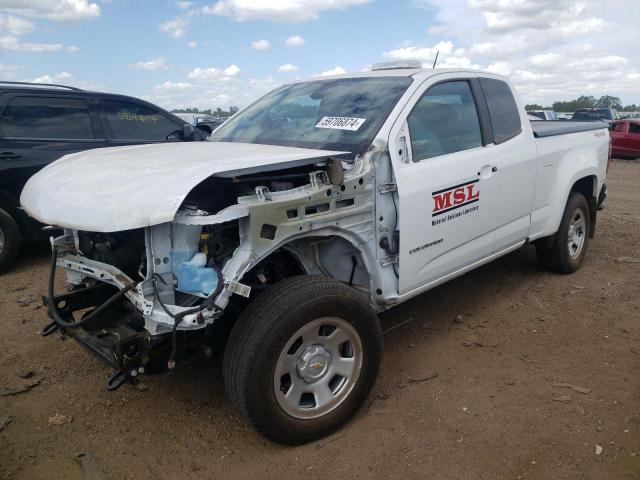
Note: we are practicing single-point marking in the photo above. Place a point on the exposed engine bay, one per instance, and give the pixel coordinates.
(178, 286)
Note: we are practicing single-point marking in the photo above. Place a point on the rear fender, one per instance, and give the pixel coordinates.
(585, 182)
(579, 170)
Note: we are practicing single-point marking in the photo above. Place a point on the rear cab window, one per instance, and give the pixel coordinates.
(503, 110)
(42, 117)
(133, 121)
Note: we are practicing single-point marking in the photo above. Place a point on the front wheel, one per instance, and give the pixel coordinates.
(302, 358)
(567, 252)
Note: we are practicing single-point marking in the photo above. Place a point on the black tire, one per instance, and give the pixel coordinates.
(557, 257)
(261, 334)
(10, 240)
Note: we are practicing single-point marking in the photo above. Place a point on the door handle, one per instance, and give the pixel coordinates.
(486, 171)
(9, 156)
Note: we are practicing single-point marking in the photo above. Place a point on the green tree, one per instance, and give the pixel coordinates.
(572, 105)
(607, 101)
(534, 106)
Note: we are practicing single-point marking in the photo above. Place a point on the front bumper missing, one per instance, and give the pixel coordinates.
(157, 321)
(110, 337)
(78, 267)
(117, 319)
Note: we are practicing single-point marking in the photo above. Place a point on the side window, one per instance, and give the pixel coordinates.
(620, 127)
(503, 111)
(47, 117)
(444, 120)
(634, 128)
(133, 121)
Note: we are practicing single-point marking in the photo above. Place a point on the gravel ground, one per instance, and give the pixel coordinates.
(500, 339)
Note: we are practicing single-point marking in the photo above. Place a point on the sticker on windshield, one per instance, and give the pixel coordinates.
(341, 123)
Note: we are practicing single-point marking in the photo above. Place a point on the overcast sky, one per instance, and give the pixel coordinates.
(228, 52)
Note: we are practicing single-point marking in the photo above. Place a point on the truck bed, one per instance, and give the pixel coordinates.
(551, 128)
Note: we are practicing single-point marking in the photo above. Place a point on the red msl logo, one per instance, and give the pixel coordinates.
(455, 197)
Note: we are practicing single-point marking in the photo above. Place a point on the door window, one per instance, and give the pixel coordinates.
(503, 111)
(444, 120)
(634, 128)
(620, 127)
(134, 121)
(47, 118)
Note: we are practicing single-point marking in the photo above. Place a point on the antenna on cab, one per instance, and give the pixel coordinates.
(436, 59)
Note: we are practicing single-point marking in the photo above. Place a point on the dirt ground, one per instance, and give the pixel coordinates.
(498, 339)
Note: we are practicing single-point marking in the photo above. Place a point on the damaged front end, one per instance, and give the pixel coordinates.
(135, 298)
(142, 299)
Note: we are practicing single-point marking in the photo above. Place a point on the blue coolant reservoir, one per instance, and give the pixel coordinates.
(192, 274)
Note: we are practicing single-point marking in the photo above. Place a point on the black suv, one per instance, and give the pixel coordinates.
(41, 123)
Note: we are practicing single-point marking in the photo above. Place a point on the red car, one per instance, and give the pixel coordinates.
(625, 138)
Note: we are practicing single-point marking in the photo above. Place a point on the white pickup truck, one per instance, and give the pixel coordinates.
(320, 205)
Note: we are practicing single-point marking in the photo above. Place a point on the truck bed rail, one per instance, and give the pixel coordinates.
(551, 128)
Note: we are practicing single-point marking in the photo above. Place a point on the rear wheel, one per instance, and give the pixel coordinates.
(9, 240)
(302, 358)
(567, 252)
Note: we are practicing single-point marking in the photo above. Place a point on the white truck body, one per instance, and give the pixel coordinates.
(451, 176)
(114, 189)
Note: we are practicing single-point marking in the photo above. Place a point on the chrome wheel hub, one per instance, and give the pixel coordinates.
(313, 363)
(318, 368)
(576, 233)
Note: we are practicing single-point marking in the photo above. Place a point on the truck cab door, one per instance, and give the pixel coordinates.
(514, 149)
(447, 182)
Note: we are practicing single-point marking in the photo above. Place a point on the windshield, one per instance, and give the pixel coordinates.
(595, 114)
(339, 114)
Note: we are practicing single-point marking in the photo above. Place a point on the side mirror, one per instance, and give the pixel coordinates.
(205, 128)
(188, 131)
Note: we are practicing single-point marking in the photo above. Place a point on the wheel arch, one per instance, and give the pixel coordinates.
(585, 182)
(334, 254)
(300, 252)
(588, 186)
